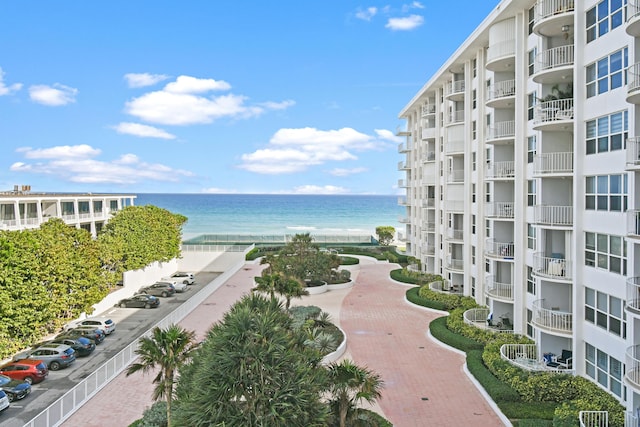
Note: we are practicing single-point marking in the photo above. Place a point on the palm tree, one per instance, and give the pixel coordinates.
(349, 384)
(168, 349)
(290, 288)
(267, 283)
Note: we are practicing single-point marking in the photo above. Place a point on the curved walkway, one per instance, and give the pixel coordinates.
(425, 384)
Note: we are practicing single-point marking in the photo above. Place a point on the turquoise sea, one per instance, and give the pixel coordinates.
(268, 214)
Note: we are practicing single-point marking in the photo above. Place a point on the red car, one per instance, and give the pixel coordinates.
(28, 370)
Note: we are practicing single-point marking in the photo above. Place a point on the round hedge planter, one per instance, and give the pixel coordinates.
(315, 290)
(337, 286)
(337, 354)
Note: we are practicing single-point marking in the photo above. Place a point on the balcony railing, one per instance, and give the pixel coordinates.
(560, 56)
(552, 319)
(553, 111)
(633, 222)
(501, 49)
(632, 363)
(428, 249)
(429, 202)
(633, 78)
(633, 151)
(402, 183)
(454, 87)
(403, 147)
(428, 109)
(525, 356)
(455, 176)
(402, 200)
(445, 287)
(455, 233)
(506, 129)
(633, 9)
(499, 210)
(456, 116)
(561, 216)
(501, 170)
(454, 146)
(501, 89)
(633, 295)
(550, 163)
(547, 8)
(553, 267)
(478, 317)
(429, 226)
(454, 263)
(403, 220)
(454, 205)
(499, 290)
(429, 156)
(499, 249)
(593, 418)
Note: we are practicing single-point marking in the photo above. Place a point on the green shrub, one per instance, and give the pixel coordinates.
(540, 414)
(439, 330)
(414, 297)
(499, 391)
(413, 277)
(155, 416)
(349, 260)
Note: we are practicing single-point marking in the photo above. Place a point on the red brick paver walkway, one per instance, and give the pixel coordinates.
(384, 333)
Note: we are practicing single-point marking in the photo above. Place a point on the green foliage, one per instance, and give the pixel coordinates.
(385, 234)
(413, 296)
(140, 235)
(439, 330)
(498, 390)
(414, 277)
(155, 416)
(526, 414)
(449, 301)
(349, 260)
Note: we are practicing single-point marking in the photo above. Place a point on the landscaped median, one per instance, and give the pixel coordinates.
(527, 398)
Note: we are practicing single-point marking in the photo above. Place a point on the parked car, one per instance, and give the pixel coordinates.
(139, 301)
(183, 277)
(15, 389)
(83, 346)
(107, 325)
(160, 289)
(94, 334)
(55, 356)
(4, 401)
(32, 371)
(178, 286)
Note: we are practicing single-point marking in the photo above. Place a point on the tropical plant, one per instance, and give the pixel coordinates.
(167, 349)
(290, 288)
(349, 384)
(385, 234)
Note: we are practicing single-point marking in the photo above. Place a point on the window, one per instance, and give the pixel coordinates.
(473, 99)
(532, 19)
(531, 282)
(607, 73)
(531, 237)
(530, 330)
(605, 311)
(474, 130)
(606, 193)
(474, 67)
(607, 133)
(473, 161)
(473, 224)
(473, 255)
(606, 252)
(604, 17)
(531, 192)
(531, 105)
(531, 150)
(605, 369)
(531, 55)
(473, 193)
(487, 193)
(487, 225)
(473, 286)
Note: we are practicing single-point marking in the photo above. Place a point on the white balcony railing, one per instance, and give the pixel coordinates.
(454, 146)
(547, 8)
(454, 205)
(501, 49)
(402, 183)
(429, 156)
(632, 363)
(495, 289)
(402, 200)
(506, 129)
(499, 249)
(456, 116)
(455, 86)
(553, 267)
(633, 222)
(633, 77)
(549, 163)
(633, 151)
(454, 263)
(499, 210)
(430, 226)
(455, 233)
(633, 295)
(554, 215)
(455, 176)
(429, 202)
(504, 169)
(553, 319)
(593, 418)
(560, 56)
(552, 111)
(428, 109)
(444, 286)
(501, 89)
(633, 9)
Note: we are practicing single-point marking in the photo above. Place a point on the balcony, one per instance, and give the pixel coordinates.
(429, 226)
(501, 132)
(554, 65)
(525, 356)
(555, 115)
(497, 290)
(503, 250)
(404, 220)
(402, 132)
(478, 317)
(455, 264)
(554, 216)
(454, 147)
(429, 202)
(402, 183)
(501, 94)
(632, 305)
(404, 147)
(551, 320)
(455, 234)
(428, 248)
(501, 55)
(445, 287)
(454, 90)
(500, 170)
(402, 165)
(553, 164)
(633, 153)
(633, 84)
(455, 117)
(402, 201)
(555, 267)
(454, 205)
(455, 176)
(499, 210)
(632, 363)
(428, 110)
(551, 16)
(429, 156)
(633, 18)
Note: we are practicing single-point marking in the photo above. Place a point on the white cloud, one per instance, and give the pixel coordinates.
(182, 103)
(53, 96)
(144, 79)
(295, 150)
(387, 135)
(215, 190)
(347, 172)
(414, 5)
(316, 189)
(367, 13)
(7, 90)
(143, 131)
(78, 164)
(405, 24)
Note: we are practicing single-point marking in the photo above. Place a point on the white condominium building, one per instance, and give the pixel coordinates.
(522, 163)
(21, 209)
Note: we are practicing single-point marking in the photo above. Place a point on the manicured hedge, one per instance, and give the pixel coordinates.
(439, 330)
(413, 296)
(349, 260)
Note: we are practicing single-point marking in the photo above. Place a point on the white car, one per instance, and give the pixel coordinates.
(107, 325)
(178, 286)
(4, 401)
(182, 277)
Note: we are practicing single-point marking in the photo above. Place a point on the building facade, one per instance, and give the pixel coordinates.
(22, 209)
(522, 181)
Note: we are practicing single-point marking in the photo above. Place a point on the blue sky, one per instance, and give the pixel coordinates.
(216, 96)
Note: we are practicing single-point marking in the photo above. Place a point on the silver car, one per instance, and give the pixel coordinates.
(56, 356)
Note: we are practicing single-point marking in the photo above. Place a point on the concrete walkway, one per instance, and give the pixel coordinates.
(424, 383)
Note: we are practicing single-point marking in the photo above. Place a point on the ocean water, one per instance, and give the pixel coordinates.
(268, 214)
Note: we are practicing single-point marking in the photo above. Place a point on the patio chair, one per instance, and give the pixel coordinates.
(566, 359)
(565, 114)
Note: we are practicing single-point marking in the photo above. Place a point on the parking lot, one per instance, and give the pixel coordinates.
(131, 323)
